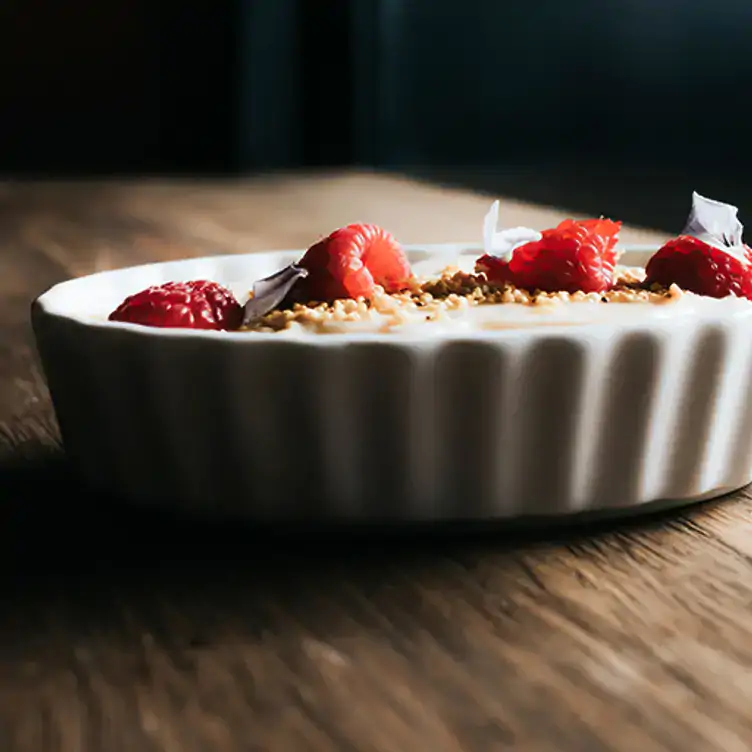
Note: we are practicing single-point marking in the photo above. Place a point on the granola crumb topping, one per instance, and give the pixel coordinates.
(450, 290)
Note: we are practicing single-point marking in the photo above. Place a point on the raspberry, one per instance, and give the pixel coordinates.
(699, 267)
(186, 305)
(350, 262)
(574, 256)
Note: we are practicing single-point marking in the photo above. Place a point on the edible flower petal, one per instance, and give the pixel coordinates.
(503, 243)
(716, 224)
(270, 291)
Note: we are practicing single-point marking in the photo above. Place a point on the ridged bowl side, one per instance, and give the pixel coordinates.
(564, 422)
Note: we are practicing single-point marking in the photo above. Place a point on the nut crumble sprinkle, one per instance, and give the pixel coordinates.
(451, 290)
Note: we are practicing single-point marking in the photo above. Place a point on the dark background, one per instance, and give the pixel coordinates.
(619, 107)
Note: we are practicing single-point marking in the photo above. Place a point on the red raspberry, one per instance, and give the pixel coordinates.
(694, 265)
(350, 262)
(574, 256)
(184, 305)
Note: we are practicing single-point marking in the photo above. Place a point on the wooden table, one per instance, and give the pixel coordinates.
(126, 632)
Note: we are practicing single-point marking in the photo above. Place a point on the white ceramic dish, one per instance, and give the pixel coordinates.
(480, 425)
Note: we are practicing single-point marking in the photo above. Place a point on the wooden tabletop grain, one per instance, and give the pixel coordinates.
(122, 631)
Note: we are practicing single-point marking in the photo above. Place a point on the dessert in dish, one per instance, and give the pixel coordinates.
(547, 372)
(358, 279)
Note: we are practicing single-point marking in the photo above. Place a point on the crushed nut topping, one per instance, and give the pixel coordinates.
(452, 289)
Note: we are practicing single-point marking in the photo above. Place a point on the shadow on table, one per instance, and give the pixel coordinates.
(82, 572)
(54, 526)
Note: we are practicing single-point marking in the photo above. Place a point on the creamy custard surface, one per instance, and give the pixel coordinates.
(453, 299)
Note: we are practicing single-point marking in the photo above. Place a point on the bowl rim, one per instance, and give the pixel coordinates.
(48, 305)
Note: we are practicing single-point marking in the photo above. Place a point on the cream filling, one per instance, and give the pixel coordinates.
(464, 315)
(501, 316)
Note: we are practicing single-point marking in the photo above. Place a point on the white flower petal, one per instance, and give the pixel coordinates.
(503, 243)
(490, 222)
(716, 224)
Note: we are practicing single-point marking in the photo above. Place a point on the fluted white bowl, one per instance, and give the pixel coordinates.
(483, 425)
